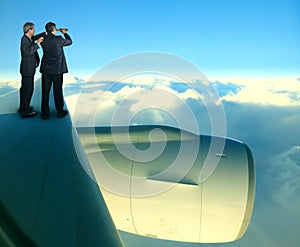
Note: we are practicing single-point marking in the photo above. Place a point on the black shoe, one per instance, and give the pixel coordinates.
(62, 114)
(30, 109)
(30, 114)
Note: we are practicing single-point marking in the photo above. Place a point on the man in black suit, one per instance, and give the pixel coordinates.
(53, 67)
(29, 61)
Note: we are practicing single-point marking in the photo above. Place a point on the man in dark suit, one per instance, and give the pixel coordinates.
(29, 61)
(53, 67)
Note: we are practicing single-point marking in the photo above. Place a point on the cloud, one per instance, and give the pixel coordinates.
(155, 102)
(7, 87)
(285, 168)
(147, 79)
(7, 83)
(276, 91)
(72, 80)
(276, 215)
(272, 133)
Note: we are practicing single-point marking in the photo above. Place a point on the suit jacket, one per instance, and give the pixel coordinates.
(54, 61)
(29, 57)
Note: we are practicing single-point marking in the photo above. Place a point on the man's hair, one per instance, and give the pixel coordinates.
(50, 27)
(27, 26)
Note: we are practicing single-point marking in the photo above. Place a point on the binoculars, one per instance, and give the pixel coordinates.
(61, 28)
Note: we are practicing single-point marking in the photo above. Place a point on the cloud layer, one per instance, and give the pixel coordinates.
(7, 87)
(277, 92)
(264, 113)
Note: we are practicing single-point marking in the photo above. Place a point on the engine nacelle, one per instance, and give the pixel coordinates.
(191, 191)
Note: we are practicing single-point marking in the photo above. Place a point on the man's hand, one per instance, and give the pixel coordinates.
(63, 30)
(40, 40)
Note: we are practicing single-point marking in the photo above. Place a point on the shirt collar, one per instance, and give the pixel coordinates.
(28, 37)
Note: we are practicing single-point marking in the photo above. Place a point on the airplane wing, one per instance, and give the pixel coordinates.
(47, 198)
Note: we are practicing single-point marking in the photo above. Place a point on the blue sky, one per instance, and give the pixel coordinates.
(222, 38)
